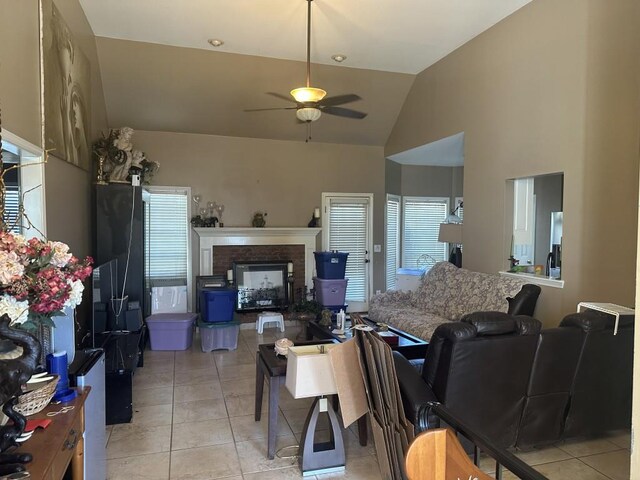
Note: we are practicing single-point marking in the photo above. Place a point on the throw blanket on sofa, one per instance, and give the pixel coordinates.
(446, 293)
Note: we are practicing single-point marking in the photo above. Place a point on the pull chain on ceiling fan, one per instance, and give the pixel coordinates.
(310, 101)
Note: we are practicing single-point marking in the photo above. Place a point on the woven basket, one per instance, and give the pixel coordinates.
(34, 401)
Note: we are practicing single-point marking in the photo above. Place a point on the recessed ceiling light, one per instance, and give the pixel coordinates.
(216, 42)
(338, 57)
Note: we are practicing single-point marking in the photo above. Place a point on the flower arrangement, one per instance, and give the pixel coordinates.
(38, 279)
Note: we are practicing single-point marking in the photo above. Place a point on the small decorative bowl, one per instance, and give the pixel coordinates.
(282, 346)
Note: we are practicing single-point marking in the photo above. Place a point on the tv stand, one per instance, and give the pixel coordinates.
(123, 353)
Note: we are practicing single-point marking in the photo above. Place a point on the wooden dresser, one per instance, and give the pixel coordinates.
(60, 444)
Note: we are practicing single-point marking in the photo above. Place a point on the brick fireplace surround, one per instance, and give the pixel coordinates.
(220, 247)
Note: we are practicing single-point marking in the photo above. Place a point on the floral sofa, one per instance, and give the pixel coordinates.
(446, 293)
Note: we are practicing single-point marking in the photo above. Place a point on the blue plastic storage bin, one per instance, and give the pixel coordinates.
(331, 265)
(218, 305)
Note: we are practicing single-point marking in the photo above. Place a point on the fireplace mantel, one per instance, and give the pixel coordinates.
(212, 237)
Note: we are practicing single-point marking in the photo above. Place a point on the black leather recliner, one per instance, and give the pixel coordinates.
(479, 369)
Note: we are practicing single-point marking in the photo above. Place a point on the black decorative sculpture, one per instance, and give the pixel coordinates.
(15, 372)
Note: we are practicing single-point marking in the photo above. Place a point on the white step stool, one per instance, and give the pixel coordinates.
(269, 317)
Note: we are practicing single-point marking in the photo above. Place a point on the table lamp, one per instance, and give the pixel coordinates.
(309, 374)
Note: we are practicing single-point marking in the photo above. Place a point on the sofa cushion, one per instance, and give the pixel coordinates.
(414, 321)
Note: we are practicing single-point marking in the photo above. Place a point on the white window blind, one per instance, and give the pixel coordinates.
(422, 217)
(11, 208)
(166, 237)
(392, 240)
(348, 233)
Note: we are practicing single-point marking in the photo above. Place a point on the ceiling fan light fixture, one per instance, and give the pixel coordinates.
(308, 94)
(308, 114)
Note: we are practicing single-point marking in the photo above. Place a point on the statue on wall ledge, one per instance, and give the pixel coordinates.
(258, 219)
(118, 160)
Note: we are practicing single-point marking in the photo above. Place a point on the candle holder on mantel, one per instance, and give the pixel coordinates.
(100, 178)
(315, 219)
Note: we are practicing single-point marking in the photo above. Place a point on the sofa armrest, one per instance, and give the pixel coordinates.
(392, 297)
(524, 303)
(414, 390)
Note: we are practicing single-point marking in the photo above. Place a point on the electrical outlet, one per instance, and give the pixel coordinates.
(377, 248)
(135, 180)
(378, 292)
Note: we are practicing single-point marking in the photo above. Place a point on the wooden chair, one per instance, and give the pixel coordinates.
(437, 455)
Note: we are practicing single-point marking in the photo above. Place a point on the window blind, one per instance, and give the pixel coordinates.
(11, 208)
(166, 237)
(348, 233)
(392, 240)
(422, 217)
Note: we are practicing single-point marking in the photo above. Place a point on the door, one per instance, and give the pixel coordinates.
(347, 227)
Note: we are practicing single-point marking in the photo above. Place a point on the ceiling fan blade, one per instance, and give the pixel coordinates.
(339, 99)
(266, 109)
(343, 112)
(283, 97)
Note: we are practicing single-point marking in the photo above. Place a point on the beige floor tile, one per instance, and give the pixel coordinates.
(537, 456)
(246, 428)
(580, 448)
(154, 466)
(152, 396)
(253, 454)
(240, 356)
(239, 405)
(129, 440)
(621, 439)
(289, 473)
(193, 362)
(196, 376)
(565, 470)
(143, 379)
(614, 465)
(201, 434)
(156, 366)
(199, 410)
(205, 463)
(233, 372)
(359, 468)
(152, 415)
(202, 391)
(242, 386)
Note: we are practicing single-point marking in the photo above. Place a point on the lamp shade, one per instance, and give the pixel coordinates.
(309, 371)
(308, 94)
(308, 114)
(450, 233)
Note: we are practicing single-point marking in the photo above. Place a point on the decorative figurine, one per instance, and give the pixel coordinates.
(325, 319)
(259, 220)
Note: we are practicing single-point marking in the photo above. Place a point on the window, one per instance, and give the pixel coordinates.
(421, 219)
(23, 186)
(392, 240)
(167, 236)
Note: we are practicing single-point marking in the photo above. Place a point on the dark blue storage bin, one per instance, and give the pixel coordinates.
(330, 265)
(217, 305)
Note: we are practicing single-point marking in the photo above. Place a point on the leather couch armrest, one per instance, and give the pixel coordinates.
(415, 392)
(524, 303)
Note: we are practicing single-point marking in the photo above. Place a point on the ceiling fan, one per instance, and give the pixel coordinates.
(310, 101)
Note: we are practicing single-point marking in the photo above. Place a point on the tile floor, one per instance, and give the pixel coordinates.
(193, 419)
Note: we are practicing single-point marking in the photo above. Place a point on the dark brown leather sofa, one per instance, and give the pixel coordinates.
(523, 386)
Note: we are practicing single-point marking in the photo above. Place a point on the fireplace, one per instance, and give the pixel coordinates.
(261, 285)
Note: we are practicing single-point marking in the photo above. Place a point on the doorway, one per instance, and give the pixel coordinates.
(348, 228)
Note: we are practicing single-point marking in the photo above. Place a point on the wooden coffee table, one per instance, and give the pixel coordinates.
(408, 345)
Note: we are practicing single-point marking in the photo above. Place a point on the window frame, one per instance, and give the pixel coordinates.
(390, 197)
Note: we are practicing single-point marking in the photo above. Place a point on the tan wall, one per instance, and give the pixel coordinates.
(69, 188)
(531, 96)
(20, 69)
(283, 178)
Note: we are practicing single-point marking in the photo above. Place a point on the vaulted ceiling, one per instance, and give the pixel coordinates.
(160, 73)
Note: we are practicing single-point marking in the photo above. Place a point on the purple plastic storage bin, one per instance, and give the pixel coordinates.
(171, 331)
(217, 305)
(329, 291)
(331, 265)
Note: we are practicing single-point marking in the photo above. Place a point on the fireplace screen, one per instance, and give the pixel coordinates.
(261, 285)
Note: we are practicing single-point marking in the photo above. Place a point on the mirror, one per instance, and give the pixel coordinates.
(536, 243)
